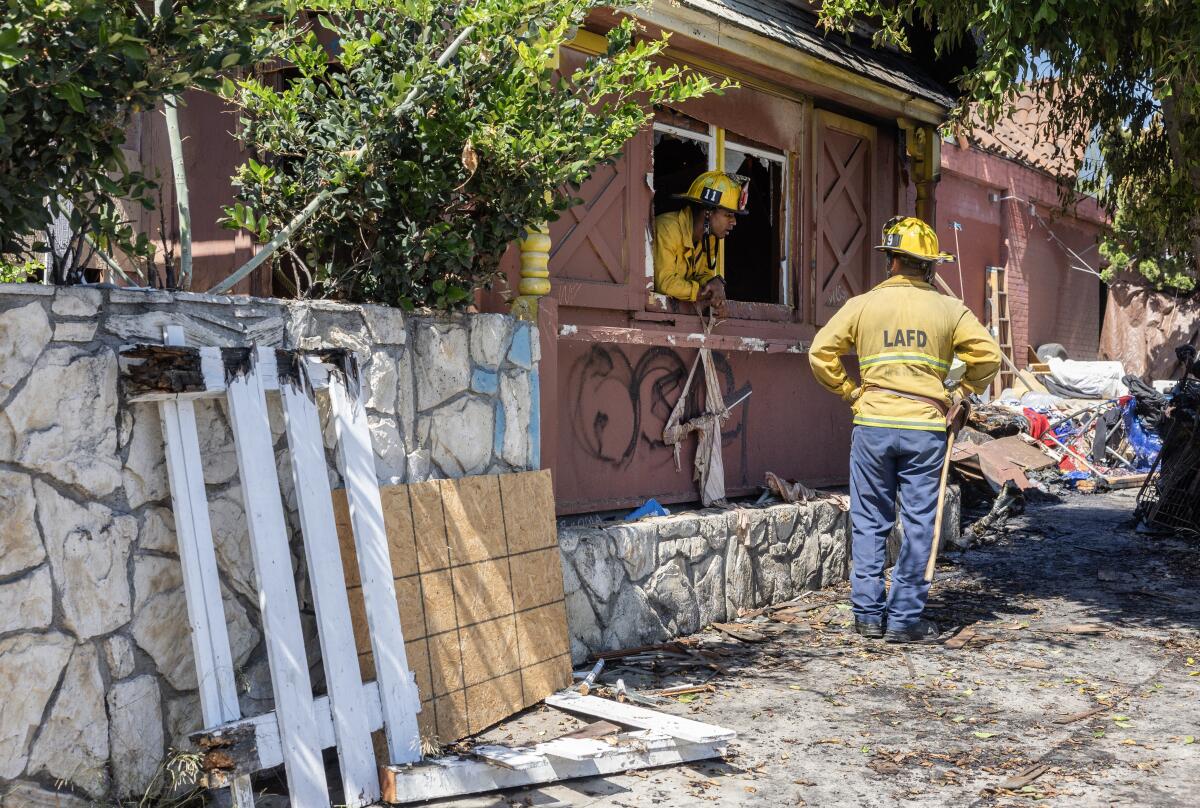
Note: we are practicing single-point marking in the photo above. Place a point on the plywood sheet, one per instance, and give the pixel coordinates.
(480, 592)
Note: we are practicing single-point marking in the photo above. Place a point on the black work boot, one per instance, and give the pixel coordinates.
(872, 631)
(922, 631)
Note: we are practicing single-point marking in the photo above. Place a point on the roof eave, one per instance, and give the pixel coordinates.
(773, 53)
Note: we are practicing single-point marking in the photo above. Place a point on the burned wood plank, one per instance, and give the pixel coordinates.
(742, 633)
(227, 754)
(960, 639)
(162, 369)
(164, 373)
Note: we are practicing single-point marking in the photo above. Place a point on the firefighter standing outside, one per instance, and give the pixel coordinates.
(686, 265)
(905, 334)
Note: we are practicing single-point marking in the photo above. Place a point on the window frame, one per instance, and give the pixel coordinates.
(784, 160)
(716, 139)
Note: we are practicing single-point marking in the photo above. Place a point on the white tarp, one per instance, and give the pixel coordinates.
(1095, 379)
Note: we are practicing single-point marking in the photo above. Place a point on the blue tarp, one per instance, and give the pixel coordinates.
(1145, 444)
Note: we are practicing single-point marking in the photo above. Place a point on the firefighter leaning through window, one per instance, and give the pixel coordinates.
(685, 241)
(905, 335)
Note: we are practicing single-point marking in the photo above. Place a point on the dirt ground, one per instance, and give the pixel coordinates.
(1083, 674)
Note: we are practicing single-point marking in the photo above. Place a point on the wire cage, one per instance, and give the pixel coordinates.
(1170, 498)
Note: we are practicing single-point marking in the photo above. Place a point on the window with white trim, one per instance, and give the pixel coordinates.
(755, 254)
(684, 148)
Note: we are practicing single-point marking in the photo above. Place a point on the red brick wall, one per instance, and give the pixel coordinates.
(1049, 301)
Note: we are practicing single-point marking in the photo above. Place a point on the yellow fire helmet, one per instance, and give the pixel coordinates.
(718, 189)
(912, 237)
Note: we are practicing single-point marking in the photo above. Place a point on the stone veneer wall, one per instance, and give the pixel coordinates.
(640, 583)
(96, 666)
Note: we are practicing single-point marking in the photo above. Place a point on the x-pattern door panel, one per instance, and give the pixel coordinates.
(590, 239)
(599, 247)
(844, 155)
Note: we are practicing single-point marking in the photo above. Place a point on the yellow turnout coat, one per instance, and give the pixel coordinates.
(680, 268)
(905, 334)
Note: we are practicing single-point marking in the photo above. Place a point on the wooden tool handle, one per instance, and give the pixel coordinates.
(941, 504)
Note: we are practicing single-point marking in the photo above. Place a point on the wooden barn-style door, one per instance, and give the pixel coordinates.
(843, 162)
(599, 244)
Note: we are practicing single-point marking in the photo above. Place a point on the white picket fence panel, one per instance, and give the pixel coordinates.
(301, 726)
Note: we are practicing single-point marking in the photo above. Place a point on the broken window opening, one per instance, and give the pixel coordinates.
(680, 155)
(756, 254)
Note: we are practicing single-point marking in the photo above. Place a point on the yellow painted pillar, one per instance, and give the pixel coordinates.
(535, 256)
(535, 272)
(719, 145)
(923, 147)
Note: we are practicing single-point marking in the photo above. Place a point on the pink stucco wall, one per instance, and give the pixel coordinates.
(1049, 301)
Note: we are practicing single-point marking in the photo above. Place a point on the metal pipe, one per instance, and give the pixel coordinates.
(179, 172)
(171, 113)
(586, 685)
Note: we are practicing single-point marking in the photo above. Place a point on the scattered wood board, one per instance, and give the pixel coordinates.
(631, 716)
(1113, 482)
(742, 633)
(1001, 460)
(1023, 779)
(1073, 717)
(478, 581)
(456, 776)
(960, 639)
(658, 740)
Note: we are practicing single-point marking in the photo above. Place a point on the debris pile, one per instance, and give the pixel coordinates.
(1041, 441)
(1170, 500)
(1106, 433)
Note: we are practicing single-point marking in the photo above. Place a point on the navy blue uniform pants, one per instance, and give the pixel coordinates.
(885, 462)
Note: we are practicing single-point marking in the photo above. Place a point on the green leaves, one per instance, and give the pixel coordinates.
(14, 272)
(64, 112)
(1117, 80)
(240, 217)
(70, 93)
(427, 198)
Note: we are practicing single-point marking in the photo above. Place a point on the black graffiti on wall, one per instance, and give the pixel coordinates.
(618, 405)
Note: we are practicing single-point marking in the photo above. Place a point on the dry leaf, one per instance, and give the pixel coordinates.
(470, 159)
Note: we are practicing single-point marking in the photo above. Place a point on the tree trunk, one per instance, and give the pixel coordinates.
(1176, 122)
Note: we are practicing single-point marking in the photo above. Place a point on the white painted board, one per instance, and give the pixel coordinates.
(356, 755)
(633, 716)
(587, 748)
(290, 682)
(453, 777)
(397, 686)
(198, 560)
(266, 727)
